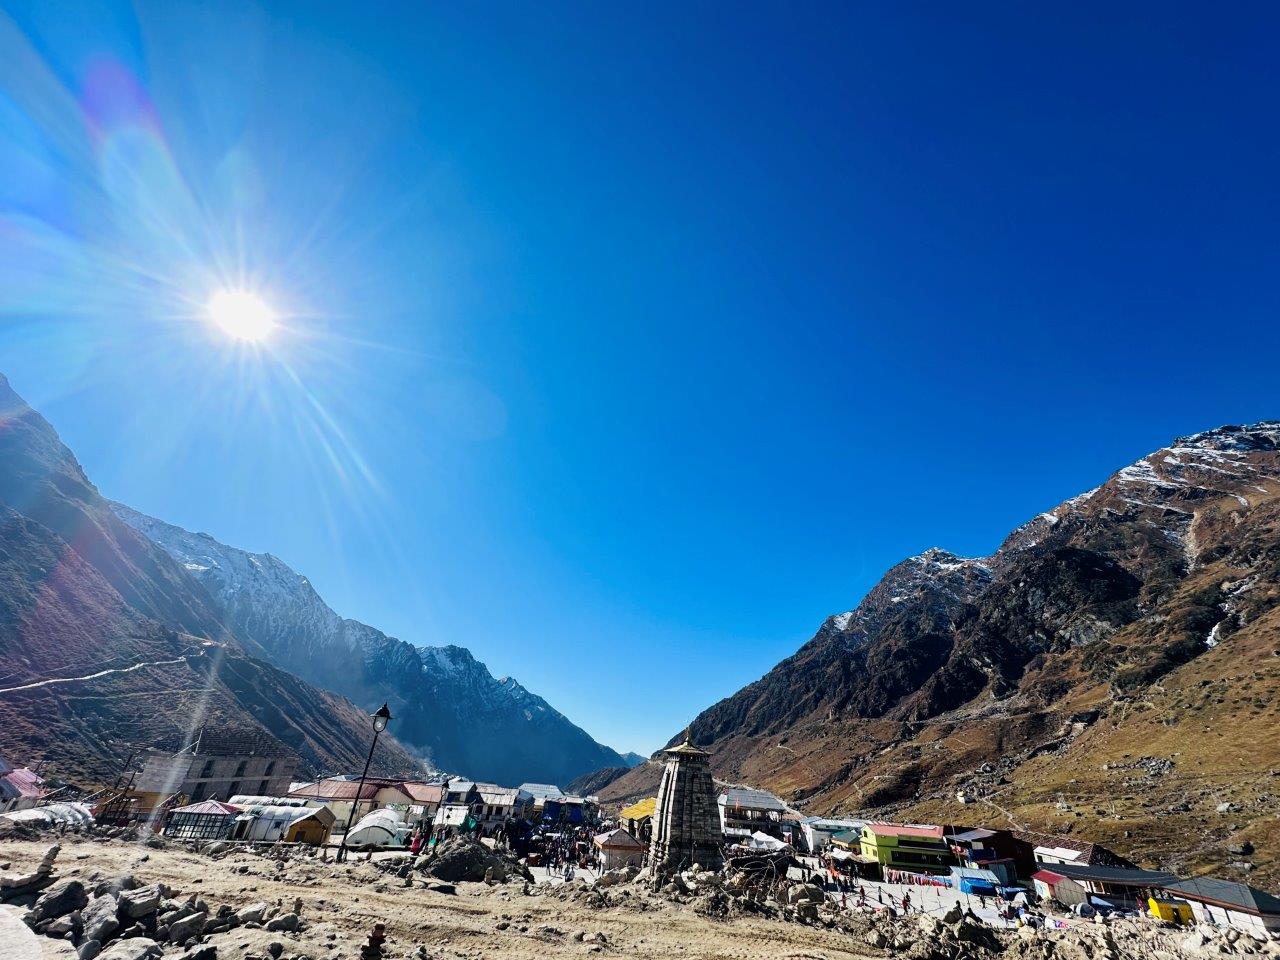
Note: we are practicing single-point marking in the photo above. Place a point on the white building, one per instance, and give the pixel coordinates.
(497, 804)
(1225, 903)
(818, 831)
(619, 849)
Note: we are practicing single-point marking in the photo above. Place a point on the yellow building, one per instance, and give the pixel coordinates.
(1171, 911)
(637, 819)
(917, 849)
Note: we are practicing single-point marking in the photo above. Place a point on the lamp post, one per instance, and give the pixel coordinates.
(380, 719)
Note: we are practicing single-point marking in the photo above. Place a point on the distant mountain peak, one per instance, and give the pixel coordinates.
(447, 704)
(1263, 435)
(1129, 602)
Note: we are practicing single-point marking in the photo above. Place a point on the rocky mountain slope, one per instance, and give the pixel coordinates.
(590, 784)
(106, 642)
(448, 707)
(1111, 670)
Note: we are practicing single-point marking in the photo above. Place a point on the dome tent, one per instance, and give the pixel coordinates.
(381, 828)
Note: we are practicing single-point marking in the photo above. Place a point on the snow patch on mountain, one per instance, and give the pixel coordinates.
(266, 601)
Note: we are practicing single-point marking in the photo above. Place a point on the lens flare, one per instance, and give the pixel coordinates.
(242, 315)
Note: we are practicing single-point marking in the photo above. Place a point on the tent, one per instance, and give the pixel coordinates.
(288, 823)
(762, 841)
(382, 828)
(74, 815)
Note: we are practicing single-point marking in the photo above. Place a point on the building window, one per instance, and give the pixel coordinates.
(207, 771)
(271, 768)
(263, 787)
(240, 768)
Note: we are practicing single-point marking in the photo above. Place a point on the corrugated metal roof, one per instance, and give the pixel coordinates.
(1088, 852)
(424, 792)
(828, 823)
(618, 839)
(26, 783)
(337, 790)
(1118, 875)
(751, 799)
(500, 796)
(900, 830)
(1239, 896)
(542, 791)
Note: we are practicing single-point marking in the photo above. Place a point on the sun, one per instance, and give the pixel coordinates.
(242, 315)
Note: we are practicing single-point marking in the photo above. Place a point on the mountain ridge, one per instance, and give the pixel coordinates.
(102, 635)
(450, 708)
(1089, 636)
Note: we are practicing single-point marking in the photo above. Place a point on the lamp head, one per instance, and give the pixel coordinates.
(380, 718)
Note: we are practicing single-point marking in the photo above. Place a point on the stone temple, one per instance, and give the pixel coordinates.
(686, 821)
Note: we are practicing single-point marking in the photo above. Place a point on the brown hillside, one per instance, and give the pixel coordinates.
(83, 596)
(1110, 672)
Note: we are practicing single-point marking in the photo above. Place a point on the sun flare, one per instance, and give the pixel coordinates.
(242, 315)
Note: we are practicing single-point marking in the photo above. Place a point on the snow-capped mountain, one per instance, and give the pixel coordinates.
(106, 641)
(1139, 618)
(447, 704)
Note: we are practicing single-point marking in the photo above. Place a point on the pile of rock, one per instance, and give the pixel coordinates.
(19, 887)
(465, 860)
(120, 918)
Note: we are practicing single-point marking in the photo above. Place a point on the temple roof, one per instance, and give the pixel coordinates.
(687, 749)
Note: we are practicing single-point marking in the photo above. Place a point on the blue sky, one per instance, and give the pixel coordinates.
(628, 336)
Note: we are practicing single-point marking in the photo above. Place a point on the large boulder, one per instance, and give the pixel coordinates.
(116, 885)
(287, 922)
(187, 928)
(59, 900)
(805, 893)
(100, 919)
(254, 913)
(137, 948)
(139, 903)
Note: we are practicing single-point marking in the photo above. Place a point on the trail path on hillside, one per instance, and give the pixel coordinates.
(36, 684)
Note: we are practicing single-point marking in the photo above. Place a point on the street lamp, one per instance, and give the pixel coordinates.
(380, 719)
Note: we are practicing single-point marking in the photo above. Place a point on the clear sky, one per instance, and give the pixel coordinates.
(628, 335)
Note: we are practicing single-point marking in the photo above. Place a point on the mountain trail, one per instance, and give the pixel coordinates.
(186, 658)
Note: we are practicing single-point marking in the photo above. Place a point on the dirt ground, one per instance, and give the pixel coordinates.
(341, 903)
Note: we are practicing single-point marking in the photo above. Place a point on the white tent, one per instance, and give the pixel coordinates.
(762, 841)
(53, 815)
(271, 822)
(382, 828)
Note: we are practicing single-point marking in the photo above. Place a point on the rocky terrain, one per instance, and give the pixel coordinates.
(590, 784)
(448, 707)
(1111, 671)
(148, 898)
(107, 643)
